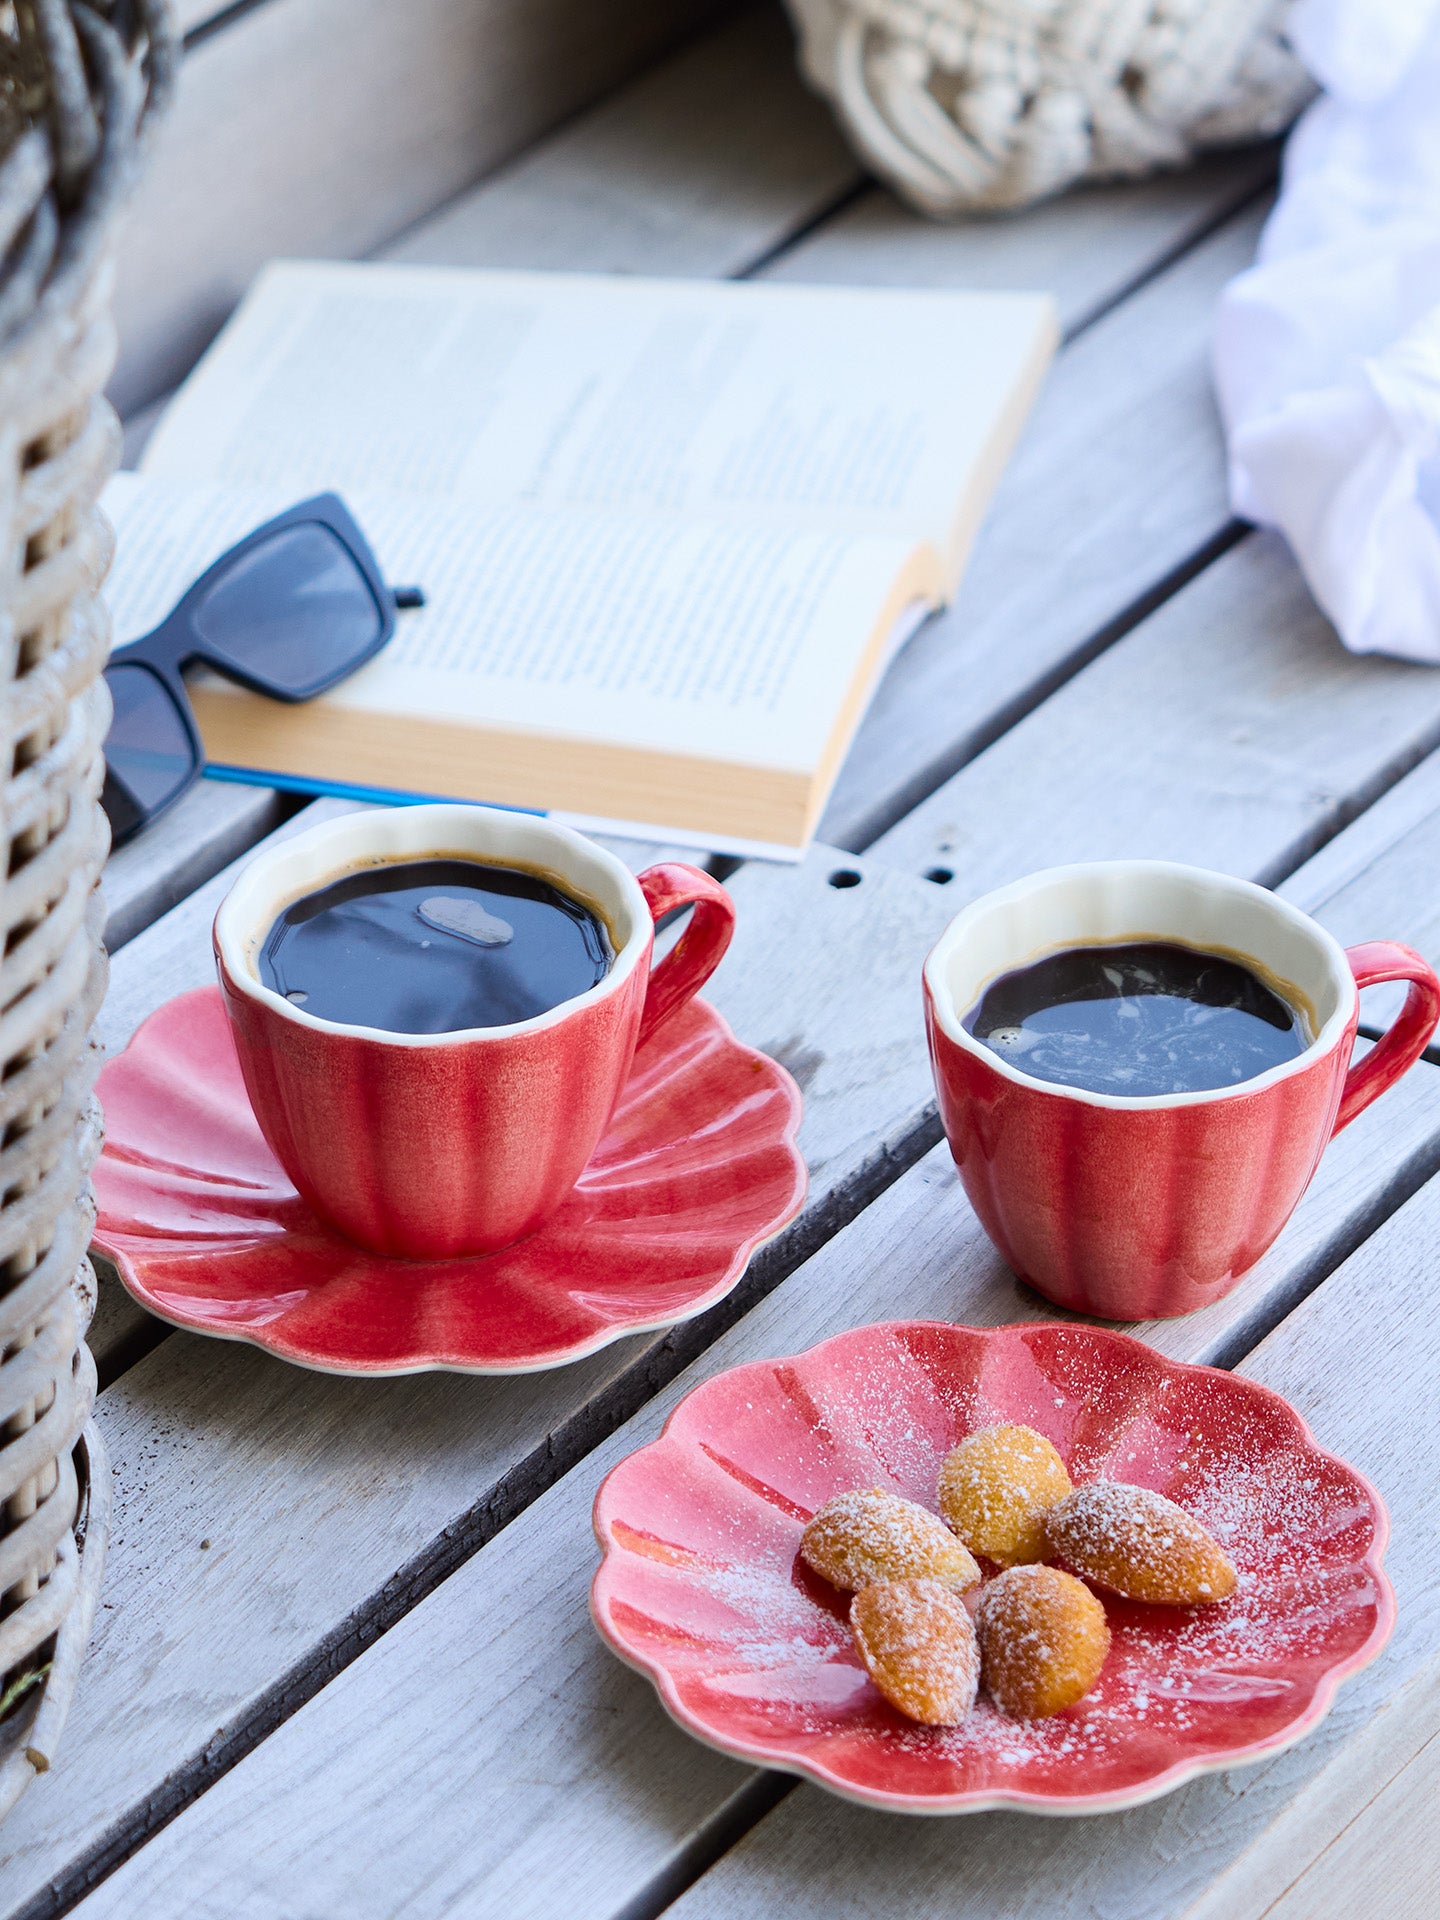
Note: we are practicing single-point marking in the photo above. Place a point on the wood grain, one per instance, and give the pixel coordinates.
(1358, 1362)
(328, 126)
(1366, 1821)
(1090, 240)
(203, 832)
(550, 1778)
(1376, 881)
(803, 950)
(698, 167)
(1230, 729)
(704, 165)
(1118, 481)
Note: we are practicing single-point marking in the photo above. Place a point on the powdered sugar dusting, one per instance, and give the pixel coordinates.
(1137, 1542)
(1044, 1638)
(995, 1488)
(869, 1534)
(919, 1648)
(760, 1650)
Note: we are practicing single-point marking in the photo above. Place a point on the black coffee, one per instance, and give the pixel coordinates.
(435, 946)
(1139, 1017)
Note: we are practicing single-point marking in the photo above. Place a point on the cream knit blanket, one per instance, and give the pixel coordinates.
(992, 103)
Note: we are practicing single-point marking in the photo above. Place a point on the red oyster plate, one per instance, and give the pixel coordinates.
(700, 1585)
(699, 1165)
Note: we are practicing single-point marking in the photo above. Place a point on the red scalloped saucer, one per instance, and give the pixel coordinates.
(701, 1588)
(699, 1165)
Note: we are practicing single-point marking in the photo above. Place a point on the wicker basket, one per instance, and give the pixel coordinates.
(79, 88)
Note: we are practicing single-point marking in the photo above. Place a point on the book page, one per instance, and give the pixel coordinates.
(708, 637)
(856, 410)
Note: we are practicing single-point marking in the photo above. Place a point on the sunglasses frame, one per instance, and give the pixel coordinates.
(175, 644)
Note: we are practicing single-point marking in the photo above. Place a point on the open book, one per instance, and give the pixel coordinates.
(669, 532)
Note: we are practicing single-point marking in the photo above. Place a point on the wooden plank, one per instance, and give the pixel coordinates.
(1390, 1844)
(1127, 419)
(214, 823)
(1376, 881)
(1230, 729)
(1369, 1171)
(702, 166)
(492, 1444)
(1381, 856)
(699, 167)
(190, 848)
(1365, 1821)
(1358, 1363)
(1118, 481)
(549, 1778)
(328, 126)
(867, 1094)
(1095, 242)
(174, 954)
(1155, 464)
(868, 1105)
(827, 983)
(191, 14)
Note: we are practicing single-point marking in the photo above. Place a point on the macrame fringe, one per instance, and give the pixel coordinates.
(964, 104)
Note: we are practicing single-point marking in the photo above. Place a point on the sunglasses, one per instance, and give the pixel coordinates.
(289, 611)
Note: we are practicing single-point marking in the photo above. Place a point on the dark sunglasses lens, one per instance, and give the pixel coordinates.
(295, 611)
(148, 753)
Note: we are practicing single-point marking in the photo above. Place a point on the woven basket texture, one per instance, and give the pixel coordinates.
(965, 104)
(79, 88)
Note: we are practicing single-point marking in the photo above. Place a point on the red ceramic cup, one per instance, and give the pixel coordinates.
(431, 1145)
(1136, 1209)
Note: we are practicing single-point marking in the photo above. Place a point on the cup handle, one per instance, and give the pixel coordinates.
(1397, 1050)
(686, 968)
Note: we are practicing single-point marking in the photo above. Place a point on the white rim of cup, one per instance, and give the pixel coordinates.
(949, 1016)
(494, 835)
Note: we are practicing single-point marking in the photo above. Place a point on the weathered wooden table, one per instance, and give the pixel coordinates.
(344, 1665)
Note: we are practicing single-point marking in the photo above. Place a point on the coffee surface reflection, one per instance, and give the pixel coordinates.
(1138, 1017)
(435, 946)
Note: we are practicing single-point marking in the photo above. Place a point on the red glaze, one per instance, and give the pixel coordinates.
(697, 1166)
(1372, 964)
(465, 1144)
(1142, 1210)
(702, 1589)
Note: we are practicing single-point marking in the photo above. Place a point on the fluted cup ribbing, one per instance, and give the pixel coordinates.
(1144, 1208)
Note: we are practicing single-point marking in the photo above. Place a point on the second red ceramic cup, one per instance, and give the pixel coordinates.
(1139, 1208)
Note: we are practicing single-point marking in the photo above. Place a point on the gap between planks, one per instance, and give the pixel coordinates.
(936, 895)
(1013, 640)
(496, 1676)
(214, 822)
(1390, 1165)
(1351, 1360)
(1268, 667)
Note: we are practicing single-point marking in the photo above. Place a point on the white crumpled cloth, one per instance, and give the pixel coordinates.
(1328, 348)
